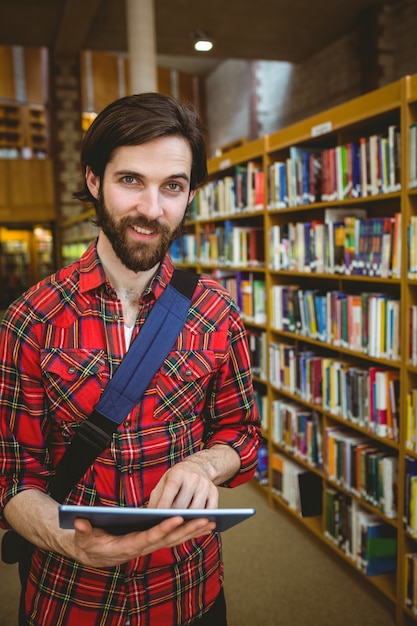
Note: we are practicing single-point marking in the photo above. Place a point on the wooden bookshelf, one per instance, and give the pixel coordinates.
(36, 132)
(26, 256)
(370, 115)
(11, 130)
(219, 239)
(23, 130)
(334, 135)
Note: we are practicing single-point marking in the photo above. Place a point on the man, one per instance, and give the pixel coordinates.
(196, 427)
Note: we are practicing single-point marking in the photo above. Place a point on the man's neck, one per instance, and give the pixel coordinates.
(128, 285)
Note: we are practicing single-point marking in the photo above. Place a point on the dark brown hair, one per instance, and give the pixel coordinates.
(134, 120)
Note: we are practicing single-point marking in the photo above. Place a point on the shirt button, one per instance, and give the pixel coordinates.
(71, 370)
(116, 317)
(188, 372)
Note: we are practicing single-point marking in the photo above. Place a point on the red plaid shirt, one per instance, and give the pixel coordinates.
(59, 345)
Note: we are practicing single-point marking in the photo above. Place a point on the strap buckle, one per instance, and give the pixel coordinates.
(93, 435)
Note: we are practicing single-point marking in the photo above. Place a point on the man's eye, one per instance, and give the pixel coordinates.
(174, 186)
(128, 179)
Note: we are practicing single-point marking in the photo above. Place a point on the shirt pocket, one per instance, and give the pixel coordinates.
(182, 384)
(73, 380)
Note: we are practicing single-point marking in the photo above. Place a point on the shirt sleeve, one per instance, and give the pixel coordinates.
(232, 413)
(22, 444)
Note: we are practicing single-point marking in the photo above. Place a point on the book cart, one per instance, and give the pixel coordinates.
(313, 229)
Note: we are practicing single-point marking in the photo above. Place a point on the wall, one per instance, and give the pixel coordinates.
(382, 49)
(228, 103)
(404, 29)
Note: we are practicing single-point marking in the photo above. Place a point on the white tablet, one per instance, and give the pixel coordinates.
(122, 520)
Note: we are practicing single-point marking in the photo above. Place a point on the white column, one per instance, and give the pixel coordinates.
(141, 39)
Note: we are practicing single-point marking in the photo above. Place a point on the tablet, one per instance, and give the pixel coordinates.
(122, 520)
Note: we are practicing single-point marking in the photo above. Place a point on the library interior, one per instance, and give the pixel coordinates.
(308, 218)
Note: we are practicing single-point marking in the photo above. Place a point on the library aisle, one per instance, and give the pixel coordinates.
(277, 575)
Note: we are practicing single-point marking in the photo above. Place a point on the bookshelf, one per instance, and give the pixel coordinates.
(227, 219)
(26, 256)
(336, 367)
(308, 426)
(408, 537)
(312, 230)
(36, 135)
(11, 130)
(23, 130)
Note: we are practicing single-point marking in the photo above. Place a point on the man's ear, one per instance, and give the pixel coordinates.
(92, 181)
(191, 195)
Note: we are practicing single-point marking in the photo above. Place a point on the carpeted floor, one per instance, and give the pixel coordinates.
(276, 575)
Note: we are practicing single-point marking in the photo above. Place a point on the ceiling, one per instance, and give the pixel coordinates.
(280, 30)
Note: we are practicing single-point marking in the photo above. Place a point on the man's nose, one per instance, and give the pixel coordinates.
(149, 203)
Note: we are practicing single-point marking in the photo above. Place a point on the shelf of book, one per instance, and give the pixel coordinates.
(334, 209)
(23, 130)
(408, 537)
(355, 202)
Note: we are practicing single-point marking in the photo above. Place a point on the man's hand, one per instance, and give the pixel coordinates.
(186, 485)
(35, 516)
(189, 484)
(96, 548)
(192, 483)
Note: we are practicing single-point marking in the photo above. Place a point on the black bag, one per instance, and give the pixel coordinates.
(16, 549)
(13, 547)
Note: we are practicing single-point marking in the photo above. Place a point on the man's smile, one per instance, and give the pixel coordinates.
(142, 231)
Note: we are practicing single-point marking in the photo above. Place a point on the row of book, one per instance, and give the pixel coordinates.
(367, 397)
(344, 242)
(367, 167)
(412, 248)
(184, 249)
(262, 467)
(223, 244)
(298, 430)
(410, 420)
(248, 290)
(361, 467)
(300, 489)
(232, 244)
(412, 343)
(413, 155)
(261, 400)
(411, 581)
(368, 541)
(258, 351)
(364, 322)
(232, 194)
(410, 495)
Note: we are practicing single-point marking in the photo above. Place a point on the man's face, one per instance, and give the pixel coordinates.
(142, 199)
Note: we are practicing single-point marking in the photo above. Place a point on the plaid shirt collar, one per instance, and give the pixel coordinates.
(92, 275)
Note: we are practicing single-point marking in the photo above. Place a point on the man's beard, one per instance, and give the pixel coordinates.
(136, 256)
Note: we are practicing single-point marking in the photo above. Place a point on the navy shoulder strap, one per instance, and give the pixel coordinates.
(124, 390)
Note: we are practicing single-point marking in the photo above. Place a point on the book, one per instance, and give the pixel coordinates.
(311, 489)
(334, 220)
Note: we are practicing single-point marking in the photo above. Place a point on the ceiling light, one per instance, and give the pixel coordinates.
(202, 43)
